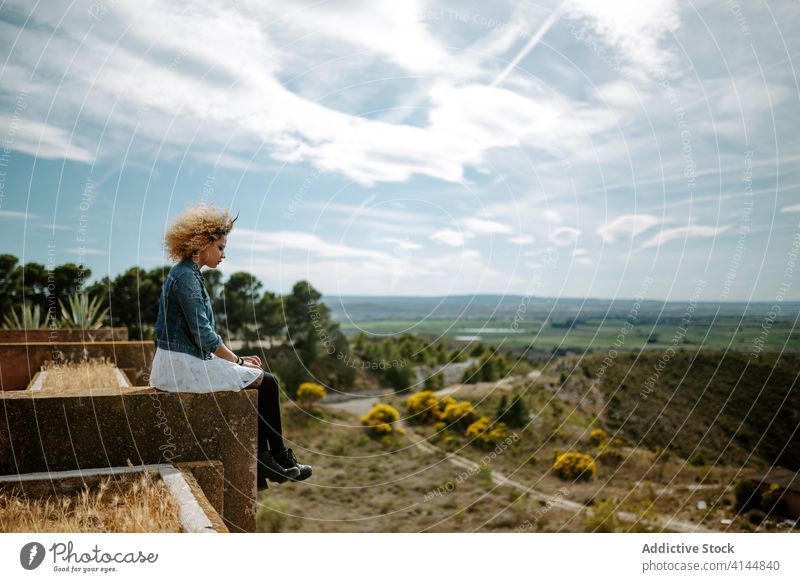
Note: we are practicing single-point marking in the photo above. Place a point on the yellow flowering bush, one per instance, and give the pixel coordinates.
(423, 407)
(573, 466)
(482, 433)
(443, 403)
(598, 436)
(380, 418)
(460, 413)
(309, 392)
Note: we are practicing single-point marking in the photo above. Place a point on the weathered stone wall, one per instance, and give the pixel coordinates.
(19, 362)
(52, 431)
(24, 336)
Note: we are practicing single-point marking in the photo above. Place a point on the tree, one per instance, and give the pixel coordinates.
(133, 298)
(399, 377)
(434, 382)
(237, 305)
(515, 414)
(37, 286)
(269, 320)
(315, 340)
(8, 264)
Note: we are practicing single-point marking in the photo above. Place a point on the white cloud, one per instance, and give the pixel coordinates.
(636, 30)
(401, 243)
(523, 239)
(564, 235)
(217, 71)
(257, 241)
(579, 252)
(618, 93)
(397, 31)
(42, 140)
(626, 226)
(552, 216)
(791, 208)
(52, 226)
(16, 214)
(84, 251)
(683, 232)
(451, 237)
(482, 226)
(455, 272)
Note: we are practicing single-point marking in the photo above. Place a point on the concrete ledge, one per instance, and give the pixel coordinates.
(24, 336)
(38, 380)
(50, 431)
(210, 476)
(196, 514)
(20, 362)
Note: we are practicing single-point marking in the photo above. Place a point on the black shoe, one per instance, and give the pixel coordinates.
(288, 461)
(268, 468)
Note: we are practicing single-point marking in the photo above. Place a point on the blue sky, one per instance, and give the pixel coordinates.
(413, 148)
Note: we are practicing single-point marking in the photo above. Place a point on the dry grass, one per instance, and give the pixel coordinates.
(130, 504)
(91, 373)
(362, 485)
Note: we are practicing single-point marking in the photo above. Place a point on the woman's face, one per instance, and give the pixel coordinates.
(212, 255)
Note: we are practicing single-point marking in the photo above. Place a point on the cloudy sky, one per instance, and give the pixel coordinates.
(567, 148)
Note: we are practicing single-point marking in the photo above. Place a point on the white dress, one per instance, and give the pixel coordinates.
(179, 372)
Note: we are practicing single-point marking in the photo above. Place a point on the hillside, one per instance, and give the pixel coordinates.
(723, 406)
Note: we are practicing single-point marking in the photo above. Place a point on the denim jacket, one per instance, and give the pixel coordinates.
(185, 320)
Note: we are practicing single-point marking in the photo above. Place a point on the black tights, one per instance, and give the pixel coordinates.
(270, 431)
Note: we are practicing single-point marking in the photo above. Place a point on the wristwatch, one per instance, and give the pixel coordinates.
(240, 360)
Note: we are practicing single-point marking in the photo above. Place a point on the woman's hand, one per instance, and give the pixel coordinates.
(252, 361)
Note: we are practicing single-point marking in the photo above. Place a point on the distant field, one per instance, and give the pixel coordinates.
(722, 334)
(571, 324)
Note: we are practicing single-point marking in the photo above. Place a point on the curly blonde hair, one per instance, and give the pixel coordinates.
(195, 229)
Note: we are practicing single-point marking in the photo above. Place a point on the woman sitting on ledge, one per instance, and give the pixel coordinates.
(190, 355)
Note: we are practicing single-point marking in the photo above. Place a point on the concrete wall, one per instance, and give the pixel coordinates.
(19, 362)
(24, 336)
(51, 431)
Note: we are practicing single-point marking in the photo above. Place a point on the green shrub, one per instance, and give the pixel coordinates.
(82, 312)
(611, 454)
(271, 515)
(516, 414)
(602, 518)
(697, 460)
(772, 500)
(30, 317)
(434, 382)
(747, 495)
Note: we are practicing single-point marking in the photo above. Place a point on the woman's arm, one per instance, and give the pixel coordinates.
(224, 353)
(248, 361)
(190, 297)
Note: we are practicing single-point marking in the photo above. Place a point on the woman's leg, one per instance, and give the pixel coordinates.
(270, 432)
(270, 429)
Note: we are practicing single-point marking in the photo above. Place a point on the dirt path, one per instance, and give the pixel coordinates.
(360, 406)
